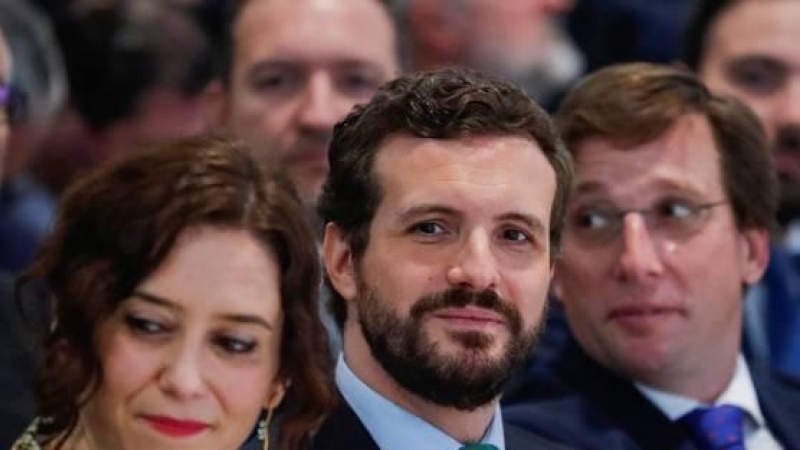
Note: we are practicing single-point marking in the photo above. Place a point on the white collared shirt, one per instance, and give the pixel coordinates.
(740, 392)
(394, 428)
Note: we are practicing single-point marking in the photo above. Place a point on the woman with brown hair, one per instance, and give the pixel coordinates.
(184, 282)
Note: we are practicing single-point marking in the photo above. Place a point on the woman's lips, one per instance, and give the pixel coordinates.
(175, 427)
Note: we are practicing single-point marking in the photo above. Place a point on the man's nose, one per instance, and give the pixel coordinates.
(322, 106)
(639, 257)
(474, 265)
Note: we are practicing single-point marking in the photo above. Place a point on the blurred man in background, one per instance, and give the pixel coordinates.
(293, 68)
(520, 40)
(137, 71)
(36, 98)
(749, 49)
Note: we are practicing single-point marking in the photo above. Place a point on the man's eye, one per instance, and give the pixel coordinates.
(675, 209)
(593, 220)
(428, 228)
(516, 235)
(143, 326)
(358, 83)
(275, 82)
(761, 76)
(234, 345)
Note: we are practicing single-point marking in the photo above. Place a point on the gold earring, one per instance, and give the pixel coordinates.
(263, 429)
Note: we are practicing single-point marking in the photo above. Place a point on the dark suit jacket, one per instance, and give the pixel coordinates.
(344, 431)
(17, 366)
(571, 399)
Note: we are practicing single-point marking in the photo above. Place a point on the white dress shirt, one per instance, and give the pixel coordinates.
(740, 392)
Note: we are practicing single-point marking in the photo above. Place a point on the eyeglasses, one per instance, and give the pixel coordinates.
(668, 218)
(13, 102)
(6, 94)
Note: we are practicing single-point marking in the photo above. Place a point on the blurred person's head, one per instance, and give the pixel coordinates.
(293, 68)
(674, 197)
(5, 98)
(137, 72)
(749, 49)
(184, 282)
(39, 82)
(445, 200)
(518, 39)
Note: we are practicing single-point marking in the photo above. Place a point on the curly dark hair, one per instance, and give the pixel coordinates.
(116, 226)
(439, 104)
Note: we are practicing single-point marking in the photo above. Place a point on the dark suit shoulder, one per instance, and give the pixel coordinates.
(518, 438)
(570, 399)
(779, 398)
(343, 430)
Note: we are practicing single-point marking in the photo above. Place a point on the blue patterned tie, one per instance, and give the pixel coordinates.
(478, 447)
(717, 428)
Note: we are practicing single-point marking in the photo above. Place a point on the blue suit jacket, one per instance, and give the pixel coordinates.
(571, 399)
(772, 331)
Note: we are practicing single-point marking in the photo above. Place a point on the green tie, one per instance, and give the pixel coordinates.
(478, 447)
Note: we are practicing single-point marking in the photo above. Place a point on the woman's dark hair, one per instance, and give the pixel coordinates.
(116, 226)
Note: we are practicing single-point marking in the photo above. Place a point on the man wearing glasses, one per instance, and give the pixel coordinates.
(673, 201)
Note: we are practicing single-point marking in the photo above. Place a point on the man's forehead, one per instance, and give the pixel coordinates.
(684, 158)
(754, 27)
(352, 28)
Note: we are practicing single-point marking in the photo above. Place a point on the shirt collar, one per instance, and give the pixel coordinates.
(740, 392)
(394, 428)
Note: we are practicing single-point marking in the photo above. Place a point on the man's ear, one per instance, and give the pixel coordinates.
(556, 289)
(218, 104)
(338, 261)
(754, 254)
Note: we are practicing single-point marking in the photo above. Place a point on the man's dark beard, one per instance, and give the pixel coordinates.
(464, 381)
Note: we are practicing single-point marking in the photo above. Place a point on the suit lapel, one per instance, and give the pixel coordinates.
(622, 404)
(343, 430)
(779, 398)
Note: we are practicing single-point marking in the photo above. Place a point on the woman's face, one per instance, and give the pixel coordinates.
(191, 358)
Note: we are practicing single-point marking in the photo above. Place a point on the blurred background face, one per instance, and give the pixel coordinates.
(512, 36)
(190, 360)
(647, 300)
(752, 52)
(5, 78)
(298, 67)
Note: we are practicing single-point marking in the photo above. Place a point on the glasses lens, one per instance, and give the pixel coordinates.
(5, 95)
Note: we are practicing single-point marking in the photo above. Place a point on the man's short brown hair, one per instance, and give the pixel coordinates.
(632, 104)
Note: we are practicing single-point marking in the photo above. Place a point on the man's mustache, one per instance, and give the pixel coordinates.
(461, 297)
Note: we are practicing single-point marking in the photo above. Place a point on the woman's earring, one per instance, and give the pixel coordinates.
(263, 429)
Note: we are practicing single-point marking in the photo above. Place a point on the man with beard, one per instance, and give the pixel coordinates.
(674, 196)
(749, 49)
(443, 210)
